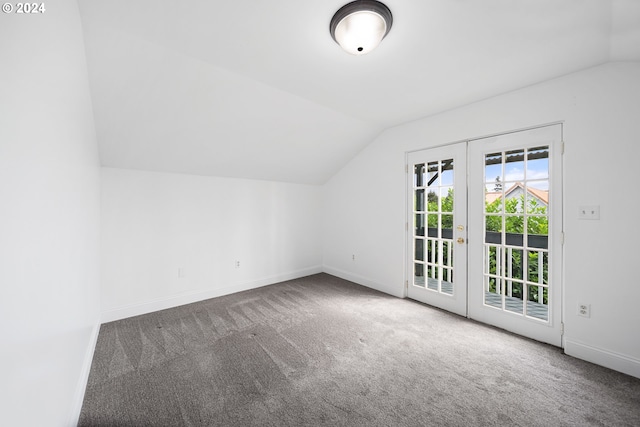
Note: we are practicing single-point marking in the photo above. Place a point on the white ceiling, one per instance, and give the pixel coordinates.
(258, 89)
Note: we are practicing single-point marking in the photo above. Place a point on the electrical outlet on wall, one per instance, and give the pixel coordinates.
(584, 310)
(237, 264)
(589, 212)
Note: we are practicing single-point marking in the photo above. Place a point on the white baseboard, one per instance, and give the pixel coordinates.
(81, 387)
(361, 280)
(608, 359)
(191, 297)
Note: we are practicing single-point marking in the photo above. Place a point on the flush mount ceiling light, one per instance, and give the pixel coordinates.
(358, 27)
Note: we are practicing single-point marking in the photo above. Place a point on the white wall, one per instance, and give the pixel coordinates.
(49, 218)
(154, 224)
(365, 202)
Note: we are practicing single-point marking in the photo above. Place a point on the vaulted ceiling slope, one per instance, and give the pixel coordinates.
(258, 89)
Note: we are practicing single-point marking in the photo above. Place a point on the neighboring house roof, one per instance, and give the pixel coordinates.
(542, 195)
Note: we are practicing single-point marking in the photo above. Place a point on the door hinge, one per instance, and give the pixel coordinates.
(561, 328)
(562, 238)
(406, 226)
(406, 168)
(562, 148)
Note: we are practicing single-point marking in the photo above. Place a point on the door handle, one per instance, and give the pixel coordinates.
(461, 240)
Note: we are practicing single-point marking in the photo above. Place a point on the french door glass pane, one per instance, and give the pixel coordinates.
(419, 249)
(418, 272)
(419, 225)
(514, 166)
(419, 202)
(419, 175)
(538, 163)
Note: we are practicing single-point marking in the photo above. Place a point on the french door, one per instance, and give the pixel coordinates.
(438, 227)
(515, 186)
(504, 194)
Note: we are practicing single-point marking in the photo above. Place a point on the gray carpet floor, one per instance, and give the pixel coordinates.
(323, 351)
